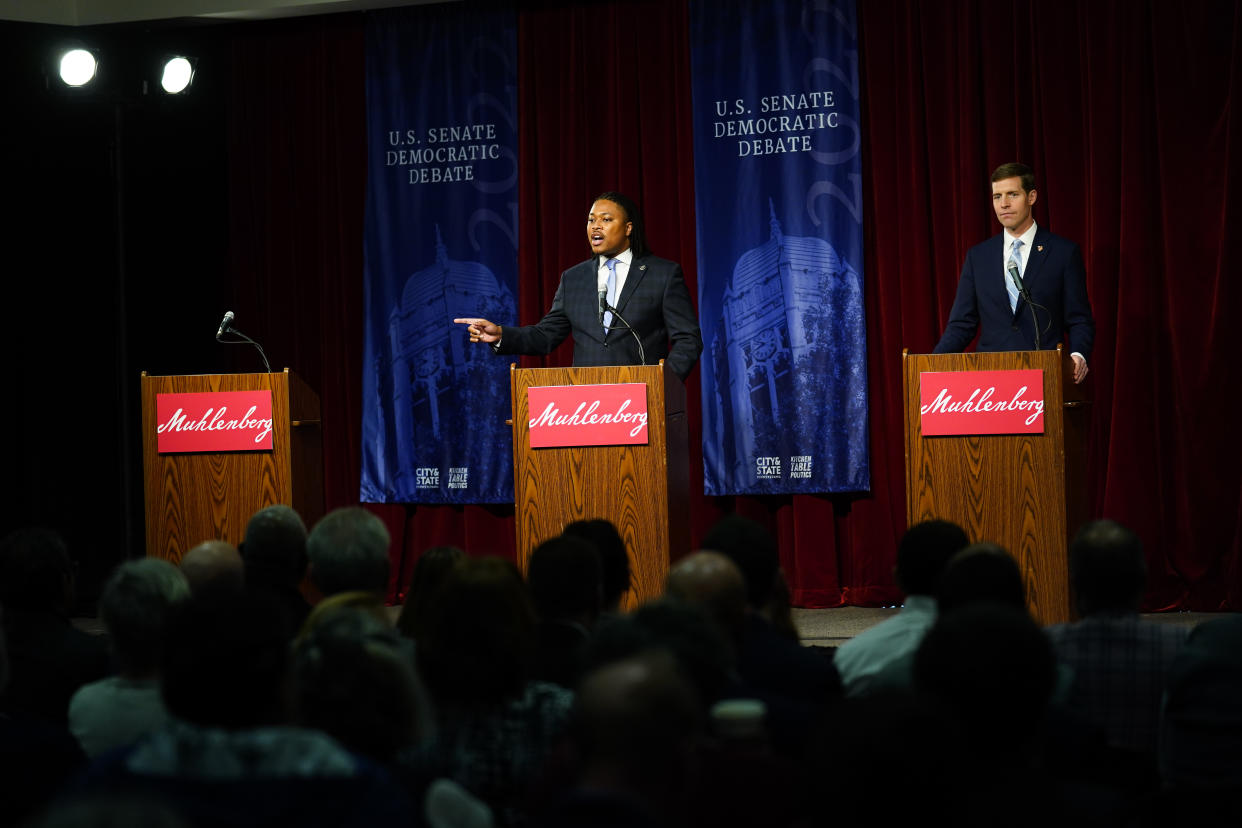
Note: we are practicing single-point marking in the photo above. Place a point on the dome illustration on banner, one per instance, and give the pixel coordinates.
(435, 374)
(790, 304)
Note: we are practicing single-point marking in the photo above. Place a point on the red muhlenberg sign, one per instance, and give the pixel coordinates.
(981, 402)
(588, 415)
(214, 421)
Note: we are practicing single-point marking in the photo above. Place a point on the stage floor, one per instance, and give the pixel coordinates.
(831, 627)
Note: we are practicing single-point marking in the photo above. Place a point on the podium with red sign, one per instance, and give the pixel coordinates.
(219, 447)
(607, 443)
(995, 442)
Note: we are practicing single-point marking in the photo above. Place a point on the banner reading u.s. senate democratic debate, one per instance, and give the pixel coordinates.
(441, 242)
(778, 194)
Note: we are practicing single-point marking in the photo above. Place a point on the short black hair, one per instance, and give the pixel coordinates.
(924, 552)
(563, 574)
(614, 560)
(1107, 568)
(981, 572)
(753, 548)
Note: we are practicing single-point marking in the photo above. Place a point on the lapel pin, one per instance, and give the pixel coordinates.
(1040, 248)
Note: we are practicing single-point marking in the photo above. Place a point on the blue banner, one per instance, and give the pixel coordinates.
(778, 191)
(441, 242)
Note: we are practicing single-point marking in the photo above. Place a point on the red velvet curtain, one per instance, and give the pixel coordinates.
(1128, 112)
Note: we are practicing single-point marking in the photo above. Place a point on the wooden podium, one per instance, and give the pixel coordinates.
(1025, 492)
(644, 489)
(193, 497)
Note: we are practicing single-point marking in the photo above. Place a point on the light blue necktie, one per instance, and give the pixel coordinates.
(1015, 261)
(611, 264)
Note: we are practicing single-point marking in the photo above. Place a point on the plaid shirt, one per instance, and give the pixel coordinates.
(1120, 664)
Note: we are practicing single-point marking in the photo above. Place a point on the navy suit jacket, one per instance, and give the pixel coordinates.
(654, 301)
(1054, 277)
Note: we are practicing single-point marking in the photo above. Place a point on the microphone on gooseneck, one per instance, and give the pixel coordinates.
(642, 356)
(603, 302)
(225, 324)
(1030, 303)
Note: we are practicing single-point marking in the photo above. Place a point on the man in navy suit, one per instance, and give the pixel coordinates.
(1024, 267)
(648, 294)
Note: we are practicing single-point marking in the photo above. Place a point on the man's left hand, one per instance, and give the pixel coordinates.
(1080, 368)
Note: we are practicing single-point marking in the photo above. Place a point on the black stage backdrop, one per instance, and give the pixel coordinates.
(1129, 113)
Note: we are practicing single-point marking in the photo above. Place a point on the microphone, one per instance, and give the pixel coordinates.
(1030, 303)
(642, 356)
(225, 324)
(603, 302)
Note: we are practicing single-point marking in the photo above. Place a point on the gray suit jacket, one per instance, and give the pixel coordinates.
(655, 301)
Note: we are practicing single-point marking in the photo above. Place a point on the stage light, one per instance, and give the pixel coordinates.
(77, 67)
(178, 74)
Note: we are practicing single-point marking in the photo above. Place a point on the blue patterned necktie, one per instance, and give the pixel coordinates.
(611, 264)
(1015, 261)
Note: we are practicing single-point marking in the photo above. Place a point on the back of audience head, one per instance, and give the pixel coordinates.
(564, 578)
(992, 668)
(685, 631)
(134, 608)
(274, 550)
(634, 725)
(36, 572)
(981, 572)
(354, 679)
(357, 599)
(1107, 569)
(613, 558)
(430, 571)
(213, 565)
(923, 553)
(348, 550)
(224, 662)
(753, 548)
(712, 581)
(479, 641)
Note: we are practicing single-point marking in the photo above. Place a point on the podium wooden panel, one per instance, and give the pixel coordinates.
(193, 497)
(644, 490)
(1025, 492)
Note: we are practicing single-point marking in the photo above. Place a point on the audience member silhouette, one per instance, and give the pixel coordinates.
(712, 581)
(1201, 727)
(634, 737)
(274, 556)
(134, 609)
(495, 727)
(36, 757)
(981, 572)
(49, 658)
(354, 679)
(1119, 662)
(614, 559)
(768, 658)
(563, 574)
(432, 568)
(701, 649)
(753, 548)
(213, 565)
(922, 556)
(348, 550)
(228, 756)
(990, 668)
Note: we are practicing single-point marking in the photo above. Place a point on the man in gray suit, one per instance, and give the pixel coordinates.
(621, 295)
